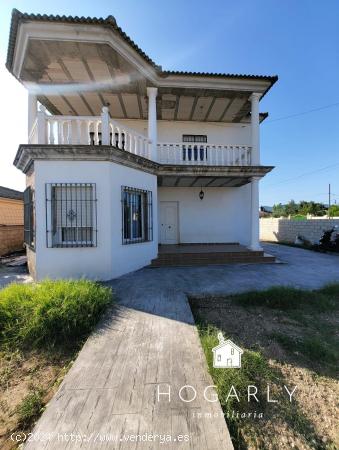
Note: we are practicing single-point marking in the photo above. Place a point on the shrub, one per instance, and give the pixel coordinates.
(50, 313)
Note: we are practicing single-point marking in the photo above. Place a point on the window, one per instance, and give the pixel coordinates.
(219, 358)
(232, 351)
(29, 225)
(71, 215)
(137, 215)
(201, 138)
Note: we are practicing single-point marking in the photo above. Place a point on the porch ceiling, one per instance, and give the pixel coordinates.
(78, 78)
(209, 176)
(77, 65)
(223, 181)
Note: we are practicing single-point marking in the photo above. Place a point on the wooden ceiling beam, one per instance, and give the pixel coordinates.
(193, 107)
(226, 109)
(209, 109)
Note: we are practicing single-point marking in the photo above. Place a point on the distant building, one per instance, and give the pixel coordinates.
(11, 220)
(265, 211)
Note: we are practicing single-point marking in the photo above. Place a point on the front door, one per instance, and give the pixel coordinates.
(169, 223)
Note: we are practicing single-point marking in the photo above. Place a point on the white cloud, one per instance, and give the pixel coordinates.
(13, 127)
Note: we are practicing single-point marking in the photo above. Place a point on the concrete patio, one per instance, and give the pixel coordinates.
(150, 340)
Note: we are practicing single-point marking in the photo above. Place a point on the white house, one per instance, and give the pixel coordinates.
(226, 355)
(123, 156)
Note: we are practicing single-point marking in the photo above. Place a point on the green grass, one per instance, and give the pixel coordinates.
(255, 370)
(30, 408)
(315, 348)
(50, 313)
(288, 298)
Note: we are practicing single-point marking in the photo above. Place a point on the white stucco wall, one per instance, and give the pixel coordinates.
(222, 216)
(217, 133)
(110, 258)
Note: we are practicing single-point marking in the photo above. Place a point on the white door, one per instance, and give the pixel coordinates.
(169, 223)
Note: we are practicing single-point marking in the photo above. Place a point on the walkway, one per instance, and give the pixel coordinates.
(150, 341)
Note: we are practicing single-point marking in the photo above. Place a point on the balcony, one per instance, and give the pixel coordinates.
(102, 130)
(204, 154)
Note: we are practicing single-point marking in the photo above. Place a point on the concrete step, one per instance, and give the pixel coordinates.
(203, 259)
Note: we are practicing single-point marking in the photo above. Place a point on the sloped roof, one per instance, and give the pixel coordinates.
(228, 342)
(11, 193)
(110, 21)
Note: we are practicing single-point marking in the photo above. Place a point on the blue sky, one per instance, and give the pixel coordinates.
(297, 40)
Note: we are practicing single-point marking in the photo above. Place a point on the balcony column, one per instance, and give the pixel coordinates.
(255, 245)
(32, 111)
(105, 129)
(255, 132)
(42, 125)
(152, 121)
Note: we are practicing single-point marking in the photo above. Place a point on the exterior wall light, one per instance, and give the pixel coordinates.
(201, 194)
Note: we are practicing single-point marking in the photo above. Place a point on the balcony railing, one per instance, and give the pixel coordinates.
(87, 130)
(102, 130)
(204, 154)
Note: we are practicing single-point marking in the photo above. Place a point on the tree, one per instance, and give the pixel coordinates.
(334, 211)
(316, 209)
(278, 210)
(291, 208)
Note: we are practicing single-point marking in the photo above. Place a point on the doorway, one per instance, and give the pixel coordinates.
(168, 225)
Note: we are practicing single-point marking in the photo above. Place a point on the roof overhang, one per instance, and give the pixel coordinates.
(77, 65)
(168, 175)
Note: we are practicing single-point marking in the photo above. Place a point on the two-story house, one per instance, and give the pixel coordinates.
(125, 159)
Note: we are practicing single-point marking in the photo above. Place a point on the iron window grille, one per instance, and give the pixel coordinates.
(71, 215)
(137, 215)
(29, 223)
(200, 138)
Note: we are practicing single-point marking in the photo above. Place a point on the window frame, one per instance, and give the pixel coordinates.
(194, 138)
(29, 217)
(55, 230)
(146, 209)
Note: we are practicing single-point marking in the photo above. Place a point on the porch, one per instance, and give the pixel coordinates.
(208, 254)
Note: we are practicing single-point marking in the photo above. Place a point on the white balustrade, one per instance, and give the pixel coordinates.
(197, 154)
(87, 130)
(101, 130)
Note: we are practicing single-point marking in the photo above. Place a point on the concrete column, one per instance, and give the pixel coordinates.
(255, 245)
(255, 132)
(105, 128)
(32, 111)
(152, 121)
(42, 125)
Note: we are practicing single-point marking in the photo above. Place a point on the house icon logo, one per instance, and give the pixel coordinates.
(226, 355)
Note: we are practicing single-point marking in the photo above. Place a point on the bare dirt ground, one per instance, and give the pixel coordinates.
(311, 421)
(24, 376)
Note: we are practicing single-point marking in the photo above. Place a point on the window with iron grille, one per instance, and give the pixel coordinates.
(71, 215)
(200, 138)
(137, 215)
(29, 225)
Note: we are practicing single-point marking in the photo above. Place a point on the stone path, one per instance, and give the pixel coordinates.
(148, 343)
(150, 340)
